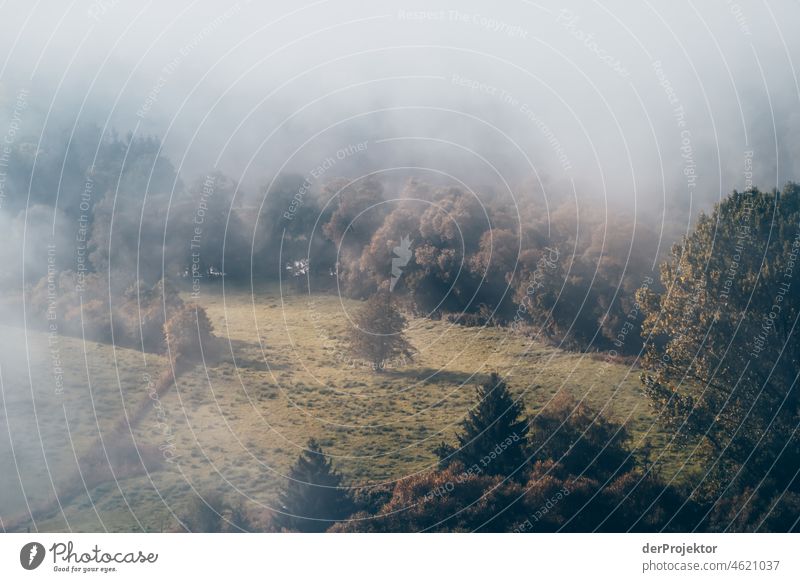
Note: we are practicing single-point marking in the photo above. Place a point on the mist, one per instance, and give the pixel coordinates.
(599, 96)
(149, 148)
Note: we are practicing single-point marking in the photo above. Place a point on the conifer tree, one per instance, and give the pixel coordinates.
(378, 333)
(314, 498)
(493, 436)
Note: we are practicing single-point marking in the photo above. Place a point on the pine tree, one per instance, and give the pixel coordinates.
(314, 498)
(378, 333)
(494, 435)
(210, 512)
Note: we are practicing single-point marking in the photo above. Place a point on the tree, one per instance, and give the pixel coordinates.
(212, 513)
(207, 226)
(722, 346)
(494, 435)
(314, 498)
(358, 212)
(378, 334)
(190, 334)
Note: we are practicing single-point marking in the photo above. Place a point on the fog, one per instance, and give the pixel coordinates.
(600, 95)
(602, 130)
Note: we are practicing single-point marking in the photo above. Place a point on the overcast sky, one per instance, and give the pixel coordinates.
(638, 102)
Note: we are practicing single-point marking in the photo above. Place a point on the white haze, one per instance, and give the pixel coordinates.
(256, 88)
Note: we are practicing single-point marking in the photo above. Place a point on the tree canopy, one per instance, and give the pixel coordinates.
(722, 342)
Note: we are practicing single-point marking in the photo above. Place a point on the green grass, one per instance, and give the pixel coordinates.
(239, 423)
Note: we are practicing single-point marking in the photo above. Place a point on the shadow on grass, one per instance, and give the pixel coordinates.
(431, 376)
(247, 355)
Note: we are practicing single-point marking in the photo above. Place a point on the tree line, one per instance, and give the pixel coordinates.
(125, 219)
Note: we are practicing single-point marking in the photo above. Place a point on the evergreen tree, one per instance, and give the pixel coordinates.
(494, 435)
(378, 333)
(314, 498)
(210, 512)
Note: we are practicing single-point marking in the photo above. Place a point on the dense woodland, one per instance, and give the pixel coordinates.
(478, 258)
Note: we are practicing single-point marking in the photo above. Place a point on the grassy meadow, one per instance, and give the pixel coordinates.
(235, 424)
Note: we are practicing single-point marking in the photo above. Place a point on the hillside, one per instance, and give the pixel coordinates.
(236, 424)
